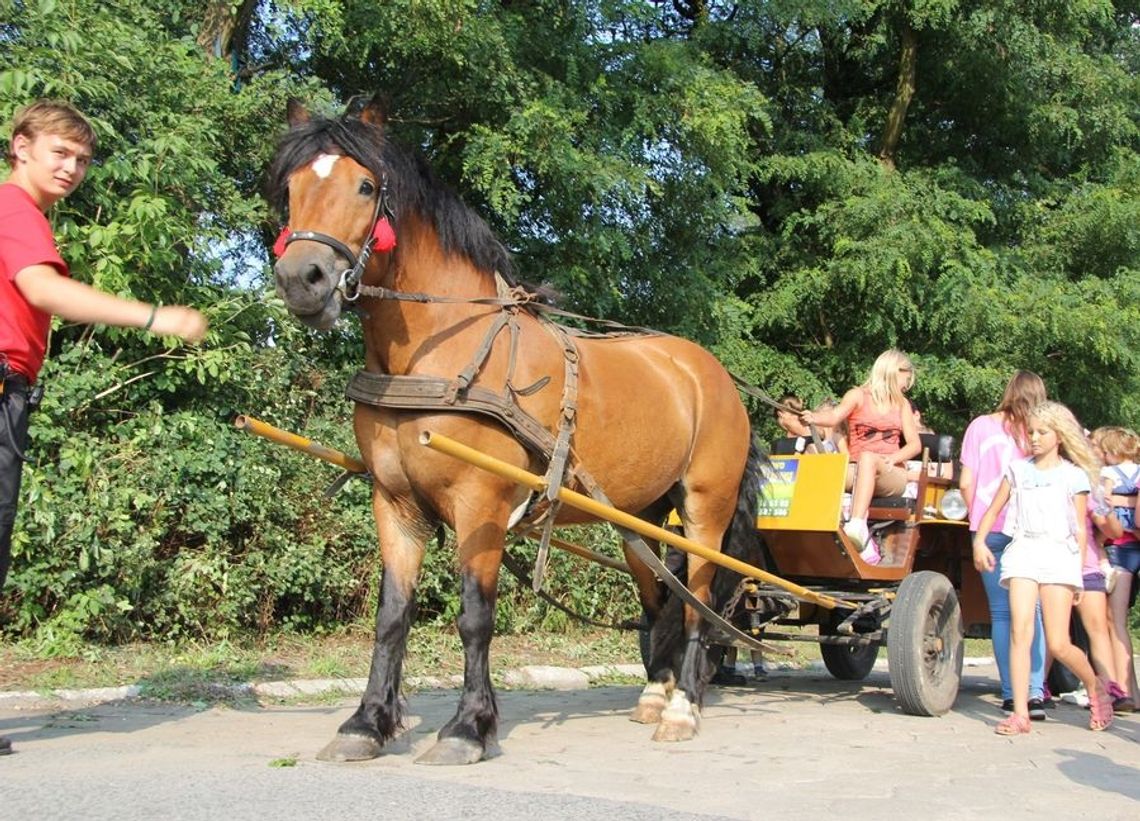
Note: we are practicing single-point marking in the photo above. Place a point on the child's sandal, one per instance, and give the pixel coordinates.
(1100, 707)
(1013, 725)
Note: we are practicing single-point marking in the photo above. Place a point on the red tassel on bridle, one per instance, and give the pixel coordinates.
(383, 237)
(281, 242)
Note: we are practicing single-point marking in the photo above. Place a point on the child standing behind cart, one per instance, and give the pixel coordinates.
(1120, 474)
(1092, 606)
(993, 441)
(1048, 496)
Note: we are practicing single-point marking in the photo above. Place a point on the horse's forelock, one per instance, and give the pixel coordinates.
(301, 144)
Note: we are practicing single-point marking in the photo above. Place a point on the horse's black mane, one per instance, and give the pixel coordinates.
(412, 185)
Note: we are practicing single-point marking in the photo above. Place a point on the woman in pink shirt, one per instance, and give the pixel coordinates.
(990, 444)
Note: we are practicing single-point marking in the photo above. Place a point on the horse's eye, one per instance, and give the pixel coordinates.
(367, 188)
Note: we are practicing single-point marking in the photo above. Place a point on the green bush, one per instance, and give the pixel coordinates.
(146, 515)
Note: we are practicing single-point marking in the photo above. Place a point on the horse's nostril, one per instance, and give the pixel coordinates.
(314, 275)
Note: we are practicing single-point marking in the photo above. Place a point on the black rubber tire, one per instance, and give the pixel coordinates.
(925, 644)
(847, 662)
(1060, 679)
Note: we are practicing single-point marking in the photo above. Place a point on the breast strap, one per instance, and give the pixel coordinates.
(437, 393)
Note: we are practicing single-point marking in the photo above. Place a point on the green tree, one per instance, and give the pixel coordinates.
(797, 184)
(144, 512)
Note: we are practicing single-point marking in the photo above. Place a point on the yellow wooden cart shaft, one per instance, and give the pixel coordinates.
(446, 445)
(292, 440)
(336, 457)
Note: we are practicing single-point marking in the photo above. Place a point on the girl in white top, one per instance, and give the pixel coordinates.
(1048, 497)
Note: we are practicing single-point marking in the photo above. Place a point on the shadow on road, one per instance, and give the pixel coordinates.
(1100, 772)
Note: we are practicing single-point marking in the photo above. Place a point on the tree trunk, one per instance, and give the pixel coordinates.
(222, 24)
(908, 60)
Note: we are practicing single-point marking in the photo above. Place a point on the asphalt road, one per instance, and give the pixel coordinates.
(800, 744)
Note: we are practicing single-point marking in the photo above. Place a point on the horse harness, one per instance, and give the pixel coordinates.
(435, 393)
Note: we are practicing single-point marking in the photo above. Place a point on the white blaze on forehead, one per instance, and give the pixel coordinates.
(322, 165)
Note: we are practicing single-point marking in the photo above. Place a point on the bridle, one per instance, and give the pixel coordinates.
(380, 237)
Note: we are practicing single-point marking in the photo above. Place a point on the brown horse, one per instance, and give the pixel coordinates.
(659, 424)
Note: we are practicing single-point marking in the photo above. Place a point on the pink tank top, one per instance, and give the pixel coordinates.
(868, 429)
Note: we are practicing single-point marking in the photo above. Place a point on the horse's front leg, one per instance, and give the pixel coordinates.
(472, 733)
(379, 718)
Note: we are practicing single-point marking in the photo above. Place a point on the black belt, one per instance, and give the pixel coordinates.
(16, 382)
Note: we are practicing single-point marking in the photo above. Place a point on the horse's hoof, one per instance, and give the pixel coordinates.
(650, 704)
(677, 729)
(680, 721)
(648, 710)
(452, 751)
(351, 748)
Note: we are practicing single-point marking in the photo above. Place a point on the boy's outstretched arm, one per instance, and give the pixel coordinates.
(49, 291)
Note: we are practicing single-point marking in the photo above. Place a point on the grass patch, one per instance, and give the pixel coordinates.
(202, 674)
(207, 673)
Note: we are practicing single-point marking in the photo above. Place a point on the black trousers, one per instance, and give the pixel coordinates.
(13, 435)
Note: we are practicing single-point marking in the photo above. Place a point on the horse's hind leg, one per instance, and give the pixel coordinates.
(379, 718)
(659, 670)
(472, 733)
(706, 518)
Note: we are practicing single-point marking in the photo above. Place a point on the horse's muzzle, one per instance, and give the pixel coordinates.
(308, 285)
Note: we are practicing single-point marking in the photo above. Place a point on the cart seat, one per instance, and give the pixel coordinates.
(788, 446)
(937, 451)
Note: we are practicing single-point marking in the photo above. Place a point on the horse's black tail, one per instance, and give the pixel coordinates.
(741, 539)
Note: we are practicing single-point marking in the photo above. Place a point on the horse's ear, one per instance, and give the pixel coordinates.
(375, 111)
(296, 113)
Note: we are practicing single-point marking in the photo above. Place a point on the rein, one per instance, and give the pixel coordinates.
(756, 393)
(514, 296)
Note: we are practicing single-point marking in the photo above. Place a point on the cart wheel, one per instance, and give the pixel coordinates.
(847, 662)
(925, 644)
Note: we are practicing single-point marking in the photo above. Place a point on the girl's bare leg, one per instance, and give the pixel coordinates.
(864, 489)
(1022, 606)
(1093, 610)
(1056, 608)
(1123, 669)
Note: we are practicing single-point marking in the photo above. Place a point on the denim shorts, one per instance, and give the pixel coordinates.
(1125, 555)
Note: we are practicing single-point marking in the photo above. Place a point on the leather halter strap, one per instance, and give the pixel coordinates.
(324, 239)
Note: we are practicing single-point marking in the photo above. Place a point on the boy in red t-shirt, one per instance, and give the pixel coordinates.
(49, 151)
